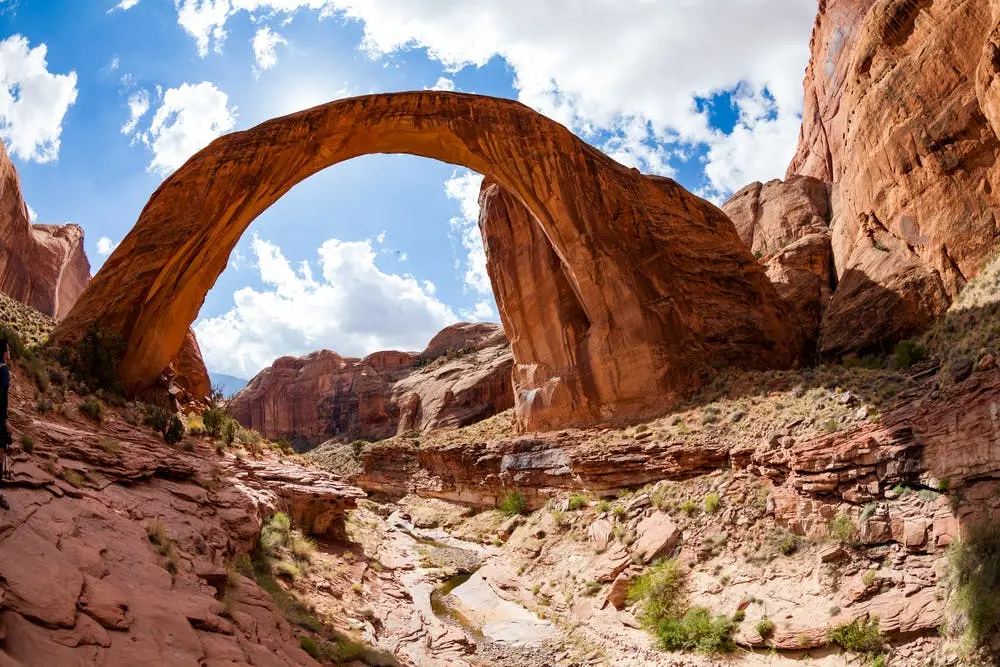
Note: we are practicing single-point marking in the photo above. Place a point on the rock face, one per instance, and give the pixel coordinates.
(462, 377)
(786, 225)
(901, 119)
(659, 284)
(44, 266)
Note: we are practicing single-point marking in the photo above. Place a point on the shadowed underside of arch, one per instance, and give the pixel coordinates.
(619, 290)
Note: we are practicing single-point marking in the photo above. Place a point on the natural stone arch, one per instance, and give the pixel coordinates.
(659, 276)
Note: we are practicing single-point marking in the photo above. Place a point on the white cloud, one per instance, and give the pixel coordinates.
(443, 83)
(631, 67)
(380, 237)
(463, 187)
(352, 307)
(115, 64)
(205, 20)
(124, 5)
(138, 105)
(481, 312)
(105, 246)
(33, 101)
(32, 216)
(188, 119)
(265, 43)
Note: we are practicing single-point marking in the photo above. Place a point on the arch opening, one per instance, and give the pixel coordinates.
(655, 282)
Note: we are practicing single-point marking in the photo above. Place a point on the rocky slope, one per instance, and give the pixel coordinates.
(119, 549)
(462, 376)
(44, 266)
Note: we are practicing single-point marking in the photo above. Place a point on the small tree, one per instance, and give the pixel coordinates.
(175, 431)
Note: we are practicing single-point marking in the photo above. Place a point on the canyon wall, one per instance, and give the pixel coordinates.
(900, 123)
(463, 376)
(44, 266)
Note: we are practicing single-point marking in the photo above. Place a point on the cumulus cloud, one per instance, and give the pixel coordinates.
(188, 119)
(463, 187)
(352, 307)
(443, 83)
(481, 312)
(124, 5)
(205, 20)
(33, 101)
(138, 105)
(105, 246)
(265, 43)
(633, 68)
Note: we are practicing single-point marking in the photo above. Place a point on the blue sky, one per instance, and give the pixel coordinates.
(101, 100)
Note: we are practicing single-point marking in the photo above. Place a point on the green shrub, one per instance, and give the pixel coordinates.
(859, 636)
(73, 478)
(94, 360)
(229, 429)
(513, 503)
(92, 408)
(214, 419)
(689, 507)
(27, 443)
(712, 502)
(842, 528)
(110, 445)
(576, 501)
(591, 588)
(662, 589)
(156, 418)
(308, 644)
(175, 431)
(975, 579)
(907, 353)
(697, 630)
(765, 628)
(603, 506)
(789, 544)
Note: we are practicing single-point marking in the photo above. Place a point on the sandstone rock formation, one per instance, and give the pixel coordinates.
(659, 284)
(462, 377)
(786, 225)
(44, 266)
(901, 119)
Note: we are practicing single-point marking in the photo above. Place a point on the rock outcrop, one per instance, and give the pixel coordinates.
(462, 377)
(658, 278)
(901, 119)
(44, 266)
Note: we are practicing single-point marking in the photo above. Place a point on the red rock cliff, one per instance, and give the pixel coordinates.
(462, 377)
(901, 118)
(44, 266)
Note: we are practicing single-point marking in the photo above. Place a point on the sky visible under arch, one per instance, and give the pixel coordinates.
(103, 99)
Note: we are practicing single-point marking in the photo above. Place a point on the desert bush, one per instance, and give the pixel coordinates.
(155, 417)
(27, 443)
(513, 503)
(764, 628)
(859, 636)
(842, 528)
(94, 360)
(92, 408)
(576, 502)
(907, 353)
(688, 507)
(698, 630)
(175, 431)
(975, 579)
(662, 590)
(712, 502)
(214, 419)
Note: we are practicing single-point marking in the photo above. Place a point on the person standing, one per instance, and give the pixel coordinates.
(5, 438)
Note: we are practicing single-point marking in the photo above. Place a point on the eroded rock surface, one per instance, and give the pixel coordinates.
(462, 377)
(900, 118)
(44, 266)
(115, 547)
(660, 276)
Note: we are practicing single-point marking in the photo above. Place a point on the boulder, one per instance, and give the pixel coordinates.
(657, 536)
(770, 216)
